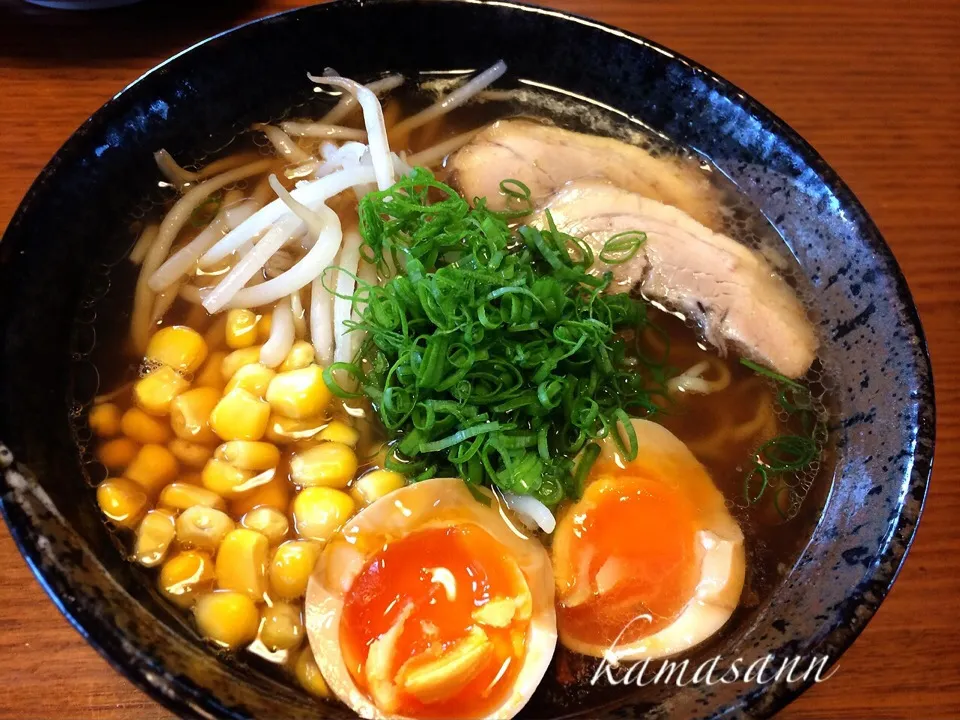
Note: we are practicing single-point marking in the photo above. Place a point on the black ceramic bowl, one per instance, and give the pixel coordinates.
(57, 255)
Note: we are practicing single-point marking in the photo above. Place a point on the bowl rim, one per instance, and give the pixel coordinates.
(886, 565)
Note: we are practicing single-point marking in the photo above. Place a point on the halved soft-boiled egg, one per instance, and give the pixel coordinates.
(649, 562)
(432, 605)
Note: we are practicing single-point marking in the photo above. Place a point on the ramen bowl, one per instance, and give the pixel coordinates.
(57, 263)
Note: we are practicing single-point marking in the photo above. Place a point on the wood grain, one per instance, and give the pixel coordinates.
(873, 85)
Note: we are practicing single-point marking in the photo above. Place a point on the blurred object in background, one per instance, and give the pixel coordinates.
(53, 33)
(81, 4)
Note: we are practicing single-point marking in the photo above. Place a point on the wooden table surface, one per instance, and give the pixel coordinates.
(872, 84)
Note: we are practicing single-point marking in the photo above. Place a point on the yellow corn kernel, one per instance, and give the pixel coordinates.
(248, 455)
(275, 494)
(269, 522)
(299, 394)
(203, 527)
(291, 567)
(154, 537)
(330, 464)
(190, 414)
(319, 512)
(300, 356)
(152, 468)
(240, 416)
(308, 674)
(122, 501)
(254, 378)
(154, 392)
(104, 419)
(242, 563)
(338, 431)
(180, 347)
(237, 359)
(210, 374)
(191, 454)
(228, 618)
(241, 329)
(186, 576)
(286, 431)
(281, 627)
(143, 428)
(264, 325)
(226, 480)
(116, 454)
(374, 485)
(181, 495)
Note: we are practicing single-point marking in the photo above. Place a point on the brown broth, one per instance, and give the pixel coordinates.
(723, 428)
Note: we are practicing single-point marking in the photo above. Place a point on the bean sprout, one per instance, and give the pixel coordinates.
(180, 213)
(193, 294)
(180, 177)
(308, 194)
(250, 264)
(373, 120)
(284, 145)
(321, 317)
(322, 130)
(454, 100)
(301, 274)
(299, 315)
(140, 248)
(172, 170)
(164, 300)
(529, 507)
(143, 296)
(186, 257)
(278, 345)
(343, 300)
(349, 102)
(434, 155)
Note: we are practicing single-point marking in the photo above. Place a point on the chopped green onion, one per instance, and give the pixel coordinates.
(459, 437)
(786, 454)
(206, 211)
(334, 386)
(749, 481)
(516, 190)
(492, 352)
(586, 462)
(767, 372)
(622, 247)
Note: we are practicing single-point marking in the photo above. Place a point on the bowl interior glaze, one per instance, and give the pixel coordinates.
(57, 255)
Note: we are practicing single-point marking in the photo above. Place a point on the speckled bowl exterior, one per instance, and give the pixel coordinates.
(57, 256)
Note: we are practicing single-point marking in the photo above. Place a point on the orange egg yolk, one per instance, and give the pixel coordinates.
(435, 624)
(625, 556)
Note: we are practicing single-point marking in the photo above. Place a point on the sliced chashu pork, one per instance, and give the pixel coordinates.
(544, 158)
(728, 288)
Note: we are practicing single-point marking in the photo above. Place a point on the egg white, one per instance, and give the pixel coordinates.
(440, 502)
(720, 553)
